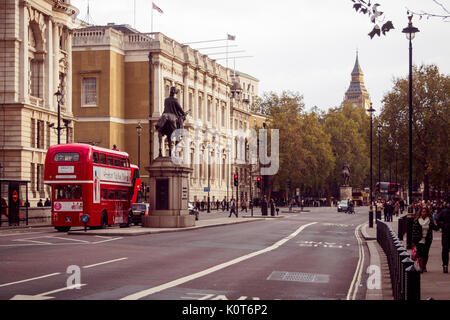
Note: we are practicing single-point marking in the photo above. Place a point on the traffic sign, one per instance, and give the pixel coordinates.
(206, 189)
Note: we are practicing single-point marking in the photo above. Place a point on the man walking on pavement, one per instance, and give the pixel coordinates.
(443, 222)
(233, 208)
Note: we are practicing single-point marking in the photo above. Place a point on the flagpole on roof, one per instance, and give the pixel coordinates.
(151, 29)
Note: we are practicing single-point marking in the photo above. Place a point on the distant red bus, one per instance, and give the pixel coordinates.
(387, 189)
(90, 180)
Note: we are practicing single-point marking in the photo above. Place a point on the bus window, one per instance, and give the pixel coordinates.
(95, 157)
(104, 194)
(67, 157)
(110, 195)
(124, 195)
(123, 163)
(117, 162)
(110, 161)
(68, 192)
(102, 158)
(117, 193)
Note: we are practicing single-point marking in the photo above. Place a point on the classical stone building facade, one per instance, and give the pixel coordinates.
(35, 62)
(357, 93)
(121, 78)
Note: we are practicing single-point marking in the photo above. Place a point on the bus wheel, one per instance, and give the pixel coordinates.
(62, 229)
(104, 224)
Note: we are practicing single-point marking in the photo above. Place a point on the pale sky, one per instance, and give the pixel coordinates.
(299, 45)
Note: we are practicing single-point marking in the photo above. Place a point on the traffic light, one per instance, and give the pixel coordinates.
(236, 180)
(258, 182)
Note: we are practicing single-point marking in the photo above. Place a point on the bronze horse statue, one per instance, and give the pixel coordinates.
(346, 174)
(171, 119)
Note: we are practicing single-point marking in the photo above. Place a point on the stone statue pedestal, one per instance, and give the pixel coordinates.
(345, 192)
(169, 195)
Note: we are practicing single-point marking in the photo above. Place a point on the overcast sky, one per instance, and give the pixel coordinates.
(299, 45)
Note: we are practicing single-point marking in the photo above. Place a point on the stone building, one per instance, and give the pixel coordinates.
(35, 62)
(115, 89)
(357, 93)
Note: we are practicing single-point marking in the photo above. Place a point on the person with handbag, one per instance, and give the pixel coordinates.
(422, 236)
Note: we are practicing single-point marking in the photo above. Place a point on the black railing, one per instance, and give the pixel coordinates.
(405, 278)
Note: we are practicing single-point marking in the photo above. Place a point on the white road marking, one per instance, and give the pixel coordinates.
(218, 267)
(21, 233)
(101, 263)
(83, 241)
(31, 279)
(33, 241)
(103, 241)
(358, 272)
(45, 295)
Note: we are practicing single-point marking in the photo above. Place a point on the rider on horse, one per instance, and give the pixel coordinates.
(171, 119)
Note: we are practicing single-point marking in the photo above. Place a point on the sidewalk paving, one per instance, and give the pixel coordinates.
(433, 284)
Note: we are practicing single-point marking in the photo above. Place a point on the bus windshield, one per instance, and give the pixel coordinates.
(68, 192)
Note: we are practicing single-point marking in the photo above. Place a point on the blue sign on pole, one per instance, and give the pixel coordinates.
(206, 189)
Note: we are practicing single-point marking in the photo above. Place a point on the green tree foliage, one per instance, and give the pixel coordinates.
(305, 153)
(348, 127)
(431, 112)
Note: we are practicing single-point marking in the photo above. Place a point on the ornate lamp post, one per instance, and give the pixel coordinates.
(139, 133)
(59, 98)
(379, 126)
(396, 150)
(371, 110)
(410, 32)
(390, 140)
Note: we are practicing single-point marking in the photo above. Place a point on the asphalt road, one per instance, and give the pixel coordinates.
(308, 256)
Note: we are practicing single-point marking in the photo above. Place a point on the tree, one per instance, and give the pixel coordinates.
(366, 7)
(444, 15)
(305, 154)
(431, 113)
(347, 127)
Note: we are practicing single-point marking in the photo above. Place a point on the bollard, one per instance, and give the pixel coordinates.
(412, 284)
(400, 251)
(404, 263)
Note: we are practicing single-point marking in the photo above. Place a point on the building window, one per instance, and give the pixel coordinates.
(223, 116)
(208, 110)
(200, 102)
(89, 92)
(33, 133)
(35, 78)
(40, 135)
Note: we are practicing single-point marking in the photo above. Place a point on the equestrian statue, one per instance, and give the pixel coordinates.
(171, 119)
(346, 174)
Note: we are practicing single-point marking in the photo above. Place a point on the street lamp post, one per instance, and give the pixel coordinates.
(371, 111)
(410, 32)
(396, 150)
(139, 133)
(59, 97)
(390, 140)
(379, 126)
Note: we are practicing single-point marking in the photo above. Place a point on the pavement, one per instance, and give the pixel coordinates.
(434, 284)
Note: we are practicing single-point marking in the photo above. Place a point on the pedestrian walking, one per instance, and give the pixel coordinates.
(422, 237)
(443, 222)
(397, 208)
(244, 205)
(272, 207)
(233, 208)
(224, 203)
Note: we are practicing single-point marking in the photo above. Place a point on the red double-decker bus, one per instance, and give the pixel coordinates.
(388, 190)
(85, 179)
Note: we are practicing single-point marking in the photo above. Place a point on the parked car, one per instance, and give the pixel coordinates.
(342, 205)
(139, 209)
(192, 210)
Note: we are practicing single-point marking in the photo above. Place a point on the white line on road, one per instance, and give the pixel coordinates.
(31, 279)
(100, 263)
(21, 233)
(358, 272)
(218, 267)
(103, 241)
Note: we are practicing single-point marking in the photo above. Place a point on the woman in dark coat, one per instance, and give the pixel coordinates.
(422, 236)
